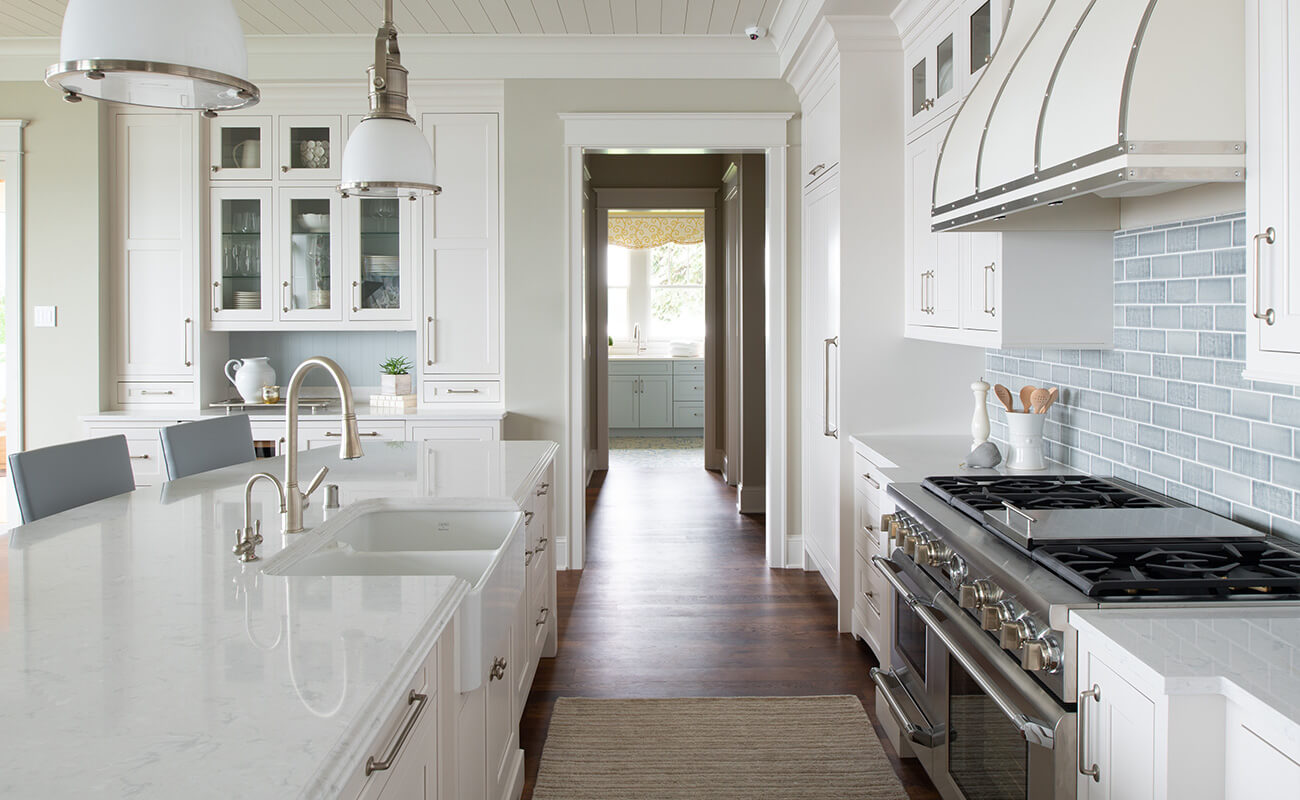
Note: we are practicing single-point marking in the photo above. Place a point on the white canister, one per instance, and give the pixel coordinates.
(1025, 440)
(249, 375)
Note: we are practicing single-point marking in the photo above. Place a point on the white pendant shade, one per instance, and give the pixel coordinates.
(388, 157)
(186, 54)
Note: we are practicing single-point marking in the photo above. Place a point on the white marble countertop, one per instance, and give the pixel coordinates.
(908, 458)
(1248, 653)
(652, 357)
(139, 658)
(277, 414)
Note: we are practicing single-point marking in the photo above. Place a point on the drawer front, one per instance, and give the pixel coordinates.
(425, 682)
(329, 434)
(869, 591)
(688, 415)
(155, 393)
(462, 391)
(866, 539)
(640, 366)
(146, 460)
(432, 431)
(689, 389)
(693, 368)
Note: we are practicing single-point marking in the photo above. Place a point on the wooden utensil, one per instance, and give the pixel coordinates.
(1039, 400)
(1025, 392)
(1052, 394)
(1004, 394)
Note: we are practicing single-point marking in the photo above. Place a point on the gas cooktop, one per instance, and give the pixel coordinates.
(1201, 570)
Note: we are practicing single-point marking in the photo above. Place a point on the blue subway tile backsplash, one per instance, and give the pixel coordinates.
(1168, 408)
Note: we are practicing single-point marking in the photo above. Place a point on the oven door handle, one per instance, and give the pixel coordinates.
(926, 737)
(1034, 731)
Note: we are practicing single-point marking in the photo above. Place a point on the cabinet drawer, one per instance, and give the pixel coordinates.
(462, 391)
(688, 368)
(175, 392)
(328, 434)
(688, 389)
(868, 479)
(869, 592)
(688, 415)
(866, 540)
(640, 366)
(400, 714)
(146, 460)
(443, 431)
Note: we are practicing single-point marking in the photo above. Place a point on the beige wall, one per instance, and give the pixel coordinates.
(61, 207)
(536, 276)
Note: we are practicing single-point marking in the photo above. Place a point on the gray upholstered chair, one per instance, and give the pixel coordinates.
(54, 479)
(194, 447)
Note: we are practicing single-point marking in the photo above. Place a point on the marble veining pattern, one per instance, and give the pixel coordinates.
(141, 659)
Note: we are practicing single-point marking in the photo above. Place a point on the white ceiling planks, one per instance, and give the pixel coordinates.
(44, 18)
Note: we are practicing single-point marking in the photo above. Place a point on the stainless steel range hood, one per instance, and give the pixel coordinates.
(1109, 98)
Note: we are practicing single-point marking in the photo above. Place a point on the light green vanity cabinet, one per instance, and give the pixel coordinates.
(656, 393)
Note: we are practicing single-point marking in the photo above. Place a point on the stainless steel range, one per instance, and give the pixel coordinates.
(987, 569)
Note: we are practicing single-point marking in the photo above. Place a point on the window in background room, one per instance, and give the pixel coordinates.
(618, 279)
(677, 292)
(655, 267)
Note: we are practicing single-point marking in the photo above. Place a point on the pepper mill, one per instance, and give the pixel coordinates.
(979, 423)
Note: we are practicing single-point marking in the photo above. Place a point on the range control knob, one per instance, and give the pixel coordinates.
(932, 552)
(911, 538)
(1017, 632)
(1041, 655)
(977, 594)
(956, 570)
(993, 615)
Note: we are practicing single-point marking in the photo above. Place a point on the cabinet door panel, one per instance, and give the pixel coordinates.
(623, 401)
(241, 147)
(1279, 184)
(461, 326)
(465, 152)
(655, 402)
(243, 278)
(981, 281)
(500, 720)
(1120, 738)
(1255, 768)
(380, 259)
(309, 228)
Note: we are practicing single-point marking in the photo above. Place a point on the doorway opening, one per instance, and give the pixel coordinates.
(11, 304)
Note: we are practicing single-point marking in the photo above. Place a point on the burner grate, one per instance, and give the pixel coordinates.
(975, 495)
(1212, 568)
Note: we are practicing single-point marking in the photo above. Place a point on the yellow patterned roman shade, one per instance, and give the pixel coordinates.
(642, 230)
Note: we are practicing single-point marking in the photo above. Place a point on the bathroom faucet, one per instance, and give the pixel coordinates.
(349, 449)
(247, 540)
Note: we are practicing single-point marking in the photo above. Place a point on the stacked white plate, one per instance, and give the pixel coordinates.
(248, 300)
(382, 266)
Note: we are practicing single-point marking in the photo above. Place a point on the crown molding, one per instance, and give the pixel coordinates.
(469, 57)
(839, 33)
(11, 135)
(912, 15)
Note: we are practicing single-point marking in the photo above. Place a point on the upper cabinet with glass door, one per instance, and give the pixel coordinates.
(241, 148)
(310, 148)
(242, 278)
(379, 263)
(947, 57)
(310, 243)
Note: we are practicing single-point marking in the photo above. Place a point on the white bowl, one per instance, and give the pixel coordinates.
(316, 223)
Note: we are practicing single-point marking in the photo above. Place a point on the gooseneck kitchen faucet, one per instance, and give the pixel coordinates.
(349, 449)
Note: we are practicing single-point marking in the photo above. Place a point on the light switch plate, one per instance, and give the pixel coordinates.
(46, 316)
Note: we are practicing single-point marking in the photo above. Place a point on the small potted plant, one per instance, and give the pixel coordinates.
(395, 376)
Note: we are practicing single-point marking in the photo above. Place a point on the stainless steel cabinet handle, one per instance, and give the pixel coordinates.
(1093, 771)
(528, 517)
(419, 701)
(817, 169)
(528, 558)
(1268, 315)
(990, 271)
(1034, 731)
(541, 544)
(356, 293)
(428, 341)
(542, 616)
(543, 490)
(150, 391)
(144, 457)
(365, 433)
(827, 430)
(461, 391)
(216, 297)
(189, 360)
(287, 300)
(874, 483)
(498, 669)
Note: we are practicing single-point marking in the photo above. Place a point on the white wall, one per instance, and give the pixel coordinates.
(535, 270)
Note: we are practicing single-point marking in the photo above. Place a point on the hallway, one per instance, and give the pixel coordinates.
(676, 601)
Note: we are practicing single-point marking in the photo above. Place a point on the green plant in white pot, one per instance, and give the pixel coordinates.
(395, 376)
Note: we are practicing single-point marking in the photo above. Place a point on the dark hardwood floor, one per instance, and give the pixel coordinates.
(676, 601)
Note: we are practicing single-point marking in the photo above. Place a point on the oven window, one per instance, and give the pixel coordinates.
(910, 631)
(987, 756)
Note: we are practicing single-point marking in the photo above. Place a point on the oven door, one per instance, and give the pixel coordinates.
(998, 735)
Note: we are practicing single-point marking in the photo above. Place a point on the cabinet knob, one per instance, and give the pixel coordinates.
(284, 168)
(216, 168)
(498, 669)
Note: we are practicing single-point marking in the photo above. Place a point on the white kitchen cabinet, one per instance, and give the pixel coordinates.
(1255, 767)
(932, 259)
(414, 771)
(821, 462)
(309, 147)
(461, 318)
(380, 260)
(243, 275)
(1272, 190)
(1119, 731)
(309, 232)
(821, 127)
(241, 147)
(947, 56)
(872, 599)
(154, 256)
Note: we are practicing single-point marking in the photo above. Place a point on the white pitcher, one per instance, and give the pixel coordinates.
(250, 375)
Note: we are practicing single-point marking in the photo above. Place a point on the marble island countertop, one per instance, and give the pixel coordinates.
(138, 657)
(908, 458)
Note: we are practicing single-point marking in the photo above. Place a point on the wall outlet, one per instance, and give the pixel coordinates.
(46, 316)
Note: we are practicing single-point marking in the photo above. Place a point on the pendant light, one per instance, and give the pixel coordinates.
(387, 155)
(185, 54)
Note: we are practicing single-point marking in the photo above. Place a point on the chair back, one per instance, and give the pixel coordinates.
(193, 447)
(53, 479)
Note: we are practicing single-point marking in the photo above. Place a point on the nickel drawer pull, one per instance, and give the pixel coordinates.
(419, 701)
(153, 392)
(528, 517)
(356, 293)
(144, 457)
(216, 297)
(817, 169)
(827, 430)
(989, 270)
(189, 361)
(287, 298)
(543, 489)
(498, 669)
(461, 391)
(528, 558)
(1268, 315)
(874, 483)
(1093, 771)
(542, 616)
(366, 433)
(541, 544)
(429, 341)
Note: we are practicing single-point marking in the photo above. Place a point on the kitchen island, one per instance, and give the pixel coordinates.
(139, 657)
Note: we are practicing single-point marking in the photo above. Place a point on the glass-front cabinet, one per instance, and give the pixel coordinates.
(310, 147)
(944, 62)
(310, 254)
(240, 148)
(241, 265)
(379, 262)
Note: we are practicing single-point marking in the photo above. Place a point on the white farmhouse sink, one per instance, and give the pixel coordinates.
(485, 548)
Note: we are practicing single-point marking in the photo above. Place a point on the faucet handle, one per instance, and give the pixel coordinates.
(316, 481)
(256, 535)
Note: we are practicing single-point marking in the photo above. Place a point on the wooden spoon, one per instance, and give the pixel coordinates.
(1052, 394)
(1025, 393)
(1004, 394)
(1039, 400)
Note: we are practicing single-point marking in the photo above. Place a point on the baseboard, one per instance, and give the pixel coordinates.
(794, 552)
(832, 579)
(751, 499)
(561, 553)
(714, 459)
